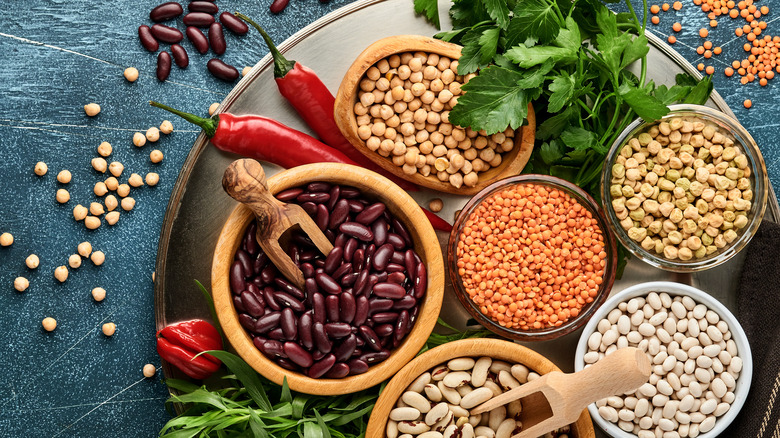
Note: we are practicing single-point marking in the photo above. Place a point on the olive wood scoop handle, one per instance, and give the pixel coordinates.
(244, 181)
(557, 399)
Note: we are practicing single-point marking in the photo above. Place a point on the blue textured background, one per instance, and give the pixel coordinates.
(56, 56)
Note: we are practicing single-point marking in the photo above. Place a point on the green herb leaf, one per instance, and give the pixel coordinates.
(550, 152)
(323, 426)
(498, 11)
(492, 101)
(569, 37)
(635, 50)
(430, 9)
(246, 375)
(527, 57)
(553, 126)
(286, 395)
(467, 13)
(578, 138)
(562, 88)
(534, 18)
(701, 92)
(671, 95)
(535, 77)
(644, 105)
(479, 47)
(451, 35)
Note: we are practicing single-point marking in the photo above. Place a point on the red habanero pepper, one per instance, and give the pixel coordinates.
(312, 100)
(179, 344)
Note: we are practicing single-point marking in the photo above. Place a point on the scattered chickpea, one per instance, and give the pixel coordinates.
(131, 74)
(153, 134)
(49, 324)
(99, 164)
(116, 168)
(109, 329)
(104, 149)
(61, 273)
(64, 176)
(98, 294)
(100, 188)
(245, 71)
(166, 127)
(149, 369)
(153, 277)
(139, 139)
(152, 179)
(156, 156)
(41, 168)
(213, 108)
(6, 239)
(84, 249)
(111, 202)
(92, 222)
(135, 180)
(92, 109)
(112, 183)
(80, 212)
(435, 205)
(62, 196)
(98, 257)
(32, 261)
(74, 261)
(123, 190)
(112, 217)
(96, 209)
(128, 203)
(21, 284)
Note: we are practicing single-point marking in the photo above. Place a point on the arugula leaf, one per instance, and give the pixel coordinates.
(430, 9)
(535, 18)
(492, 101)
(562, 88)
(644, 105)
(701, 92)
(499, 11)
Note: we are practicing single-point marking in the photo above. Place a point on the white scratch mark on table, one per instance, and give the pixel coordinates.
(35, 128)
(81, 405)
(66, 125)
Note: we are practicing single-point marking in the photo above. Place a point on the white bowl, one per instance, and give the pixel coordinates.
(701, 297)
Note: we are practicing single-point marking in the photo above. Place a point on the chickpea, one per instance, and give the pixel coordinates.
(131, 74)
(166, 127)
(74, 261)
(156, 156)
(64, 177)
(98, 294)
(84, 249)
(62, 196)
(112, 217)
(116, 168)
(109, 329)
(41, 168)
(149, 371)
(98, 257)
(31, 261)
(112, 183)
(92, 222)
(21, 284)
(96, 209)
(456, 180)
(471, 179)
(212, 109)
(153, 134)
(80, 212)
(61, 273)
(152, 179)
(104, 149)
(49, 324)
(139, 139)
(128, 203)
(92, 109)
(99, 164)
(135, 180)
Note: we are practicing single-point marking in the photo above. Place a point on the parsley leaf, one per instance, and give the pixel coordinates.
(562, 88)
(636, 50)
(479, 47)
(466, 13)
(429, 8)
(499, 11)
(701, 92)
(550, 152)
(646, 106)
(578, 138)
(535, 77)
(531, 56)
(536, 18)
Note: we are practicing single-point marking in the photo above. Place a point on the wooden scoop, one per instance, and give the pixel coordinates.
(244, 181)
(557, 399)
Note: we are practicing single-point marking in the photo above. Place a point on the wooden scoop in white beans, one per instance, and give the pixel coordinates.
(557, 399)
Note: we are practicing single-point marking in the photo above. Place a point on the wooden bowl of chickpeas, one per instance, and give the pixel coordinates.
(393, 106)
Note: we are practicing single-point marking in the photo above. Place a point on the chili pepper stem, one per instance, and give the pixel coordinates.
(209, 125)
(282, 65)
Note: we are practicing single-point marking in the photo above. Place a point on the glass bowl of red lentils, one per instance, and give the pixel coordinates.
(685, 193)
(532, 257)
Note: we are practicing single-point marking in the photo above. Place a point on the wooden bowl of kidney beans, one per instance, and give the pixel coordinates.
(365, 310)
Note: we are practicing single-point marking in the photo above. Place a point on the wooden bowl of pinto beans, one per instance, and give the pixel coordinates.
(346, 330)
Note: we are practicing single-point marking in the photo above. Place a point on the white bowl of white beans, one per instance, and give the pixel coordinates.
(702, 366)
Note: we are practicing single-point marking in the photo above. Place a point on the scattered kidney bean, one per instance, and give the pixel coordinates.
(203, 6)
(220, 70)
(198, 40)
(233, 23)
(163, 65)
(165, 11)
(147, 39)
(166, 34)
(217, 40)
(278, 6)
(180, 56)
(198, 19)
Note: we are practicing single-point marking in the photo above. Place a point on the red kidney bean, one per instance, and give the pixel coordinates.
(361, 310)
(330, 235)
(370, 250)
(287, 364)
(375, 356)
(198, 40)
(349, 248)
(295, 254)
(270, 298)
(420, 281)
(322, 366)
(345, 348)
(245, 260)
(357, 230)
(349, 279)
(384, 330)
(255, 290)
(341, 271)
(251, 304)
(278, 6)
(349, 192)
(253, 248)
(288, 300)
(379, 228)
(238, 304)
(165, 11)
(393, 267)
(308, 255)
(289, 323)
(398, 258)
(268, 274)
(400, 229)
(341, 240)
(396, 277)
(347, 308)
(257, 281)
(317, 198)
(339, 214)
(333, 260)
(297, 354)
(405, 303)
(370, 213)
(217, 38)
(357, 366)
(180, 56)
(310, 284)
(338, 371)
(237, 283)
(370, 336)
(360, 343)
(359, 258)
(220, 70)
(338, 330)
(247, 322)
(198, 19)
(322, 217)
(381, 277)
(318, 306)
(147, 39)
(382, 256)
(389, 290)
(305, 330)
(288, 287)
(372, 280)
(397, 241)
(289, 194)
(166, 34)
(163, 65)
(273, 348)
(202, 6)
(361, 282)
(268, 322)
(233, 24)
(401, 327)
(332, 307)
(317, 355)
(385, 317)
(327, 283)
(355, 206)
(318, 186)
(334, 197)
(410, 264)
(321, 338)
(376, 305)
(310, 208)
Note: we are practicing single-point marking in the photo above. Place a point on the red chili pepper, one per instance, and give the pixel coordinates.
(179, 344)
(306, 92)
(437, 222)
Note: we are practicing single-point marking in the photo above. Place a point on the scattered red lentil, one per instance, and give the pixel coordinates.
(665, 7)
(703, 32)
(655, 19)
(747, 103)
(709, 70)
(677, 27)
(728, 71)
(700, 67)
(677, 5)
(654, 9)
(707, 45)
(672, 39)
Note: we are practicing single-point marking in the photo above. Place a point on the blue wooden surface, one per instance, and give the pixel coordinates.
(56, 56)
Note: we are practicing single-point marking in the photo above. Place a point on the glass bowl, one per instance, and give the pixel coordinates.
(758, 179)
(548, 332)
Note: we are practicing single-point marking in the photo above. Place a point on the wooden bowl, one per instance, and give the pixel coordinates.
(512, 162)
(495, 348)
(402, 206)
